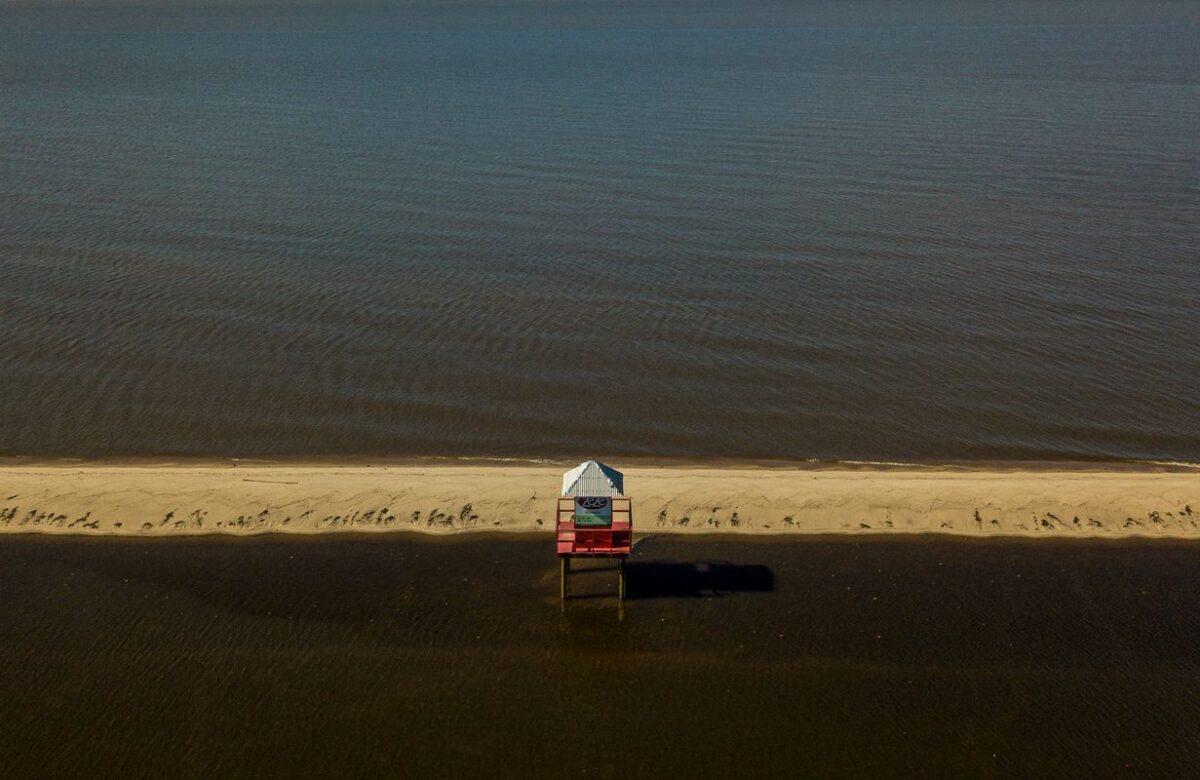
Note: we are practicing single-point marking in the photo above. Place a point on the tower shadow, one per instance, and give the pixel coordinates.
(703, 579)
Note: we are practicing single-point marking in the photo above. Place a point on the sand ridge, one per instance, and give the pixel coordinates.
(240, 498)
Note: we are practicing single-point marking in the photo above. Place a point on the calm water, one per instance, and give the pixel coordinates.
(860, 230)
(403, 658)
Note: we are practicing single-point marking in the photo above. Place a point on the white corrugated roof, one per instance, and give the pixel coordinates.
(593, 478)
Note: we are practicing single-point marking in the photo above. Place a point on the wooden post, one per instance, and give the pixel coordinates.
(621, 578)
(564, 571)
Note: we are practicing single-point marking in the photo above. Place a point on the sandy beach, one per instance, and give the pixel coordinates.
(180, 498)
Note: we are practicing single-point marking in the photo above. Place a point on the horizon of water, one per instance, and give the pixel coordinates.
(911, 230)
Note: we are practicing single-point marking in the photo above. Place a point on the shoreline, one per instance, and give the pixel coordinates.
(634, 462)
(184, 497)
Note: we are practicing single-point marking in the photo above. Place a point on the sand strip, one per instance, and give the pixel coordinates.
(179, 499)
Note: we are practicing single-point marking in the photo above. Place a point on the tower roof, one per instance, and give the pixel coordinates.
(593, 478)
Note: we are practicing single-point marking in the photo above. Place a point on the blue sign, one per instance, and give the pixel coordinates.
(593, 511)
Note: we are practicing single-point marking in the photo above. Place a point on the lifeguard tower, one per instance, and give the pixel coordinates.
(594, 520)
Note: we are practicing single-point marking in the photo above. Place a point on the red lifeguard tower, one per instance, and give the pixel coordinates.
(594, 520)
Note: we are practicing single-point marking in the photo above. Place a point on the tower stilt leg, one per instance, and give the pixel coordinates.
(621, 578)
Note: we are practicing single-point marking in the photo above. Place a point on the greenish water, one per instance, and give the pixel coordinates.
(875, 230)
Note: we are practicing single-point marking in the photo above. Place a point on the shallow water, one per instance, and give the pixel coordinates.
(787, 230)
(404, 656)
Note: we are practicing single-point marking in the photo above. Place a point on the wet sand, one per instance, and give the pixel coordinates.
(238, 497)
(412, 655)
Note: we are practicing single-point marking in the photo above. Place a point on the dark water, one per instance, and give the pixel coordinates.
(403, 658)
(765, 229)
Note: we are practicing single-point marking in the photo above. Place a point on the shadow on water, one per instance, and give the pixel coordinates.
(406, 656)
(703, 579)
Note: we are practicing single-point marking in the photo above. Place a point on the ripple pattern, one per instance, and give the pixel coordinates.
(414, 234)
